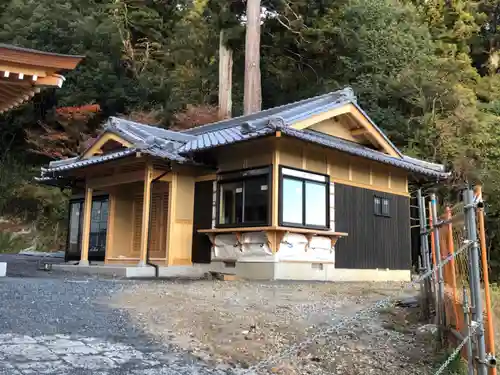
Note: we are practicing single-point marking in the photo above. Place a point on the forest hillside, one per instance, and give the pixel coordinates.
(427, 72)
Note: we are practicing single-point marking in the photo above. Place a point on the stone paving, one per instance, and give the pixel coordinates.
(63, 354)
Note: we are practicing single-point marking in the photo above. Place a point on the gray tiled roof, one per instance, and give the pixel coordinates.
(151, 140)
(73, 164)
(180, 146)
(216, 134)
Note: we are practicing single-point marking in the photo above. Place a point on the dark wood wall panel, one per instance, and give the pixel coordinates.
(373, 241)
(202, 219)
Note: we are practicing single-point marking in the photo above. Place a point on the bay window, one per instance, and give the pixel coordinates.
(303, 199)
(243, 198)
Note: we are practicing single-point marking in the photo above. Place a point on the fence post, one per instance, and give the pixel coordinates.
(424, 256)
(490, 337)
(470, 217)
(453, 276)
(470, 355)
(439, 259)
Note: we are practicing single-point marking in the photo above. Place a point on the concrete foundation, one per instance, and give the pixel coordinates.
(131, 272)
(253, 270)
(306, 271)
(3, 269)
(106, 269)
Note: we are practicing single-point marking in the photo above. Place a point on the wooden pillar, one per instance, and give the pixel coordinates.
(275, 186)
(87, 207)
(172, 203)
(111, 225)
(148, 176)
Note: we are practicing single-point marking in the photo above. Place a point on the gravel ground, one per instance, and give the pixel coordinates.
(62, 324)
(59, 323)
(241, 324)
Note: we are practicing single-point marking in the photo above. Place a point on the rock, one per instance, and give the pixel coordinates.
(410, 302)
(428, 329)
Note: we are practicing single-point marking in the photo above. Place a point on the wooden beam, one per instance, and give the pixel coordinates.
(15, 82)
(321, 117)
(275, 186)
(165, 178)
(42, 60)
(206, 177)
(371, 131)
(13, 93)
(111, 226)
(24, 69)
(359, 131)
(365, 127)
(104, 138)
(54, 80)
(87, 207)
(146, 203)
(116, 179)
(172, 195)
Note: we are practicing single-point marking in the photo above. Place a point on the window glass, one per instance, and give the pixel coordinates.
(304, 198)
(315, 204)
(377, 206)
(256, 200)
(74, 226)
(98, 226)
(292, 201)
(231, 203)
(381, 206)
(385, 207)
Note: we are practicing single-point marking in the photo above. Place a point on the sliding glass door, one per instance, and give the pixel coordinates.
(98, 229)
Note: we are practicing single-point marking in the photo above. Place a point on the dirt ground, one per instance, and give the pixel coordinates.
(242, 324)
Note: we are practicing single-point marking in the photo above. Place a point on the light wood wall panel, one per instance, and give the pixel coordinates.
(289, 157)
(360, 171)
(315, 159)
(399, 181)
(337, 128)
(339, 165)
(180, 218)
(244, 155)
(342, 167)
(123, 230)
(380, 174)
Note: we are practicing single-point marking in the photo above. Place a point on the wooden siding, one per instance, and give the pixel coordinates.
(341, 167)
(338, 128)
(180, 218)
(373, 241)
(244, 155)
(159, 212)
(123, 229)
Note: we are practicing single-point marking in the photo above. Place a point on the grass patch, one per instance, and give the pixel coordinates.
(456, 367)
(12, 243)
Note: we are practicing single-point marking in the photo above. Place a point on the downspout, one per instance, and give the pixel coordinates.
(148, 247)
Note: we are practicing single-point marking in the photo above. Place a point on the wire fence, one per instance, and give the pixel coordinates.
(450, 276)
(458, 234)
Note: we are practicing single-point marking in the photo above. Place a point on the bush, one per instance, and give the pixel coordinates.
(12, 243)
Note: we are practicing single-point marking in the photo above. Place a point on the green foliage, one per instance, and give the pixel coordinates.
(12, 243)
(425, 71)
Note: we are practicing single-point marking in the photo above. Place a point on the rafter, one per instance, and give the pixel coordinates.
(359, 131)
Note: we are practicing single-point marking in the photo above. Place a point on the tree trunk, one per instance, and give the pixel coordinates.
(225, 78)
(252, 100)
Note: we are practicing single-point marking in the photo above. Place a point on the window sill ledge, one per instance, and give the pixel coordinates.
(274, 229)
